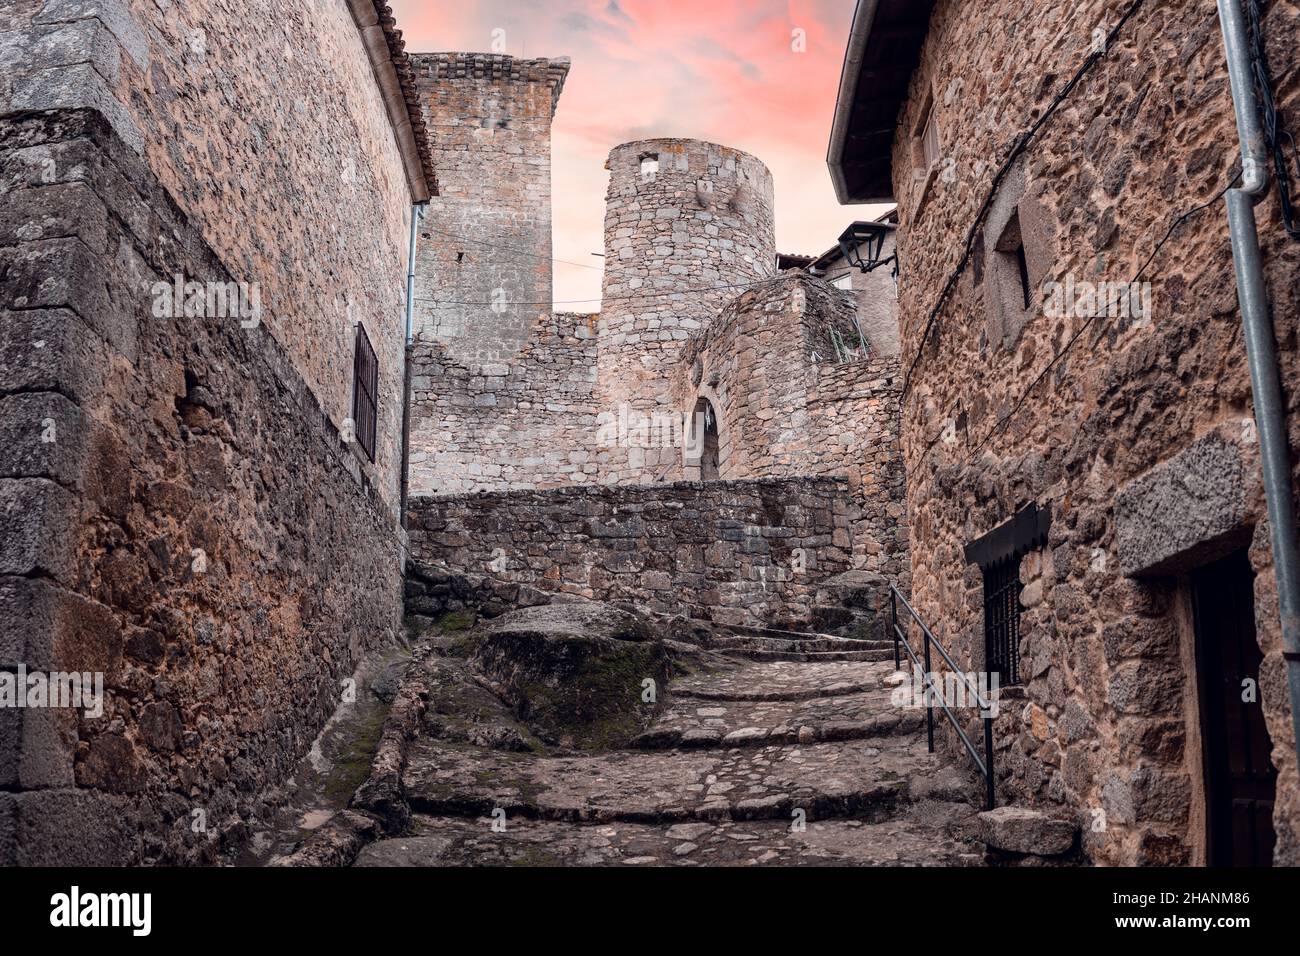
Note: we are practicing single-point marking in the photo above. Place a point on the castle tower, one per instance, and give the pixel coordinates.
(483, 263)
(688, 226)
(487, 237)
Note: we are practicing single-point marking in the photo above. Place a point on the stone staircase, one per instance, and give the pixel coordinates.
(799, 761)
(766, 644)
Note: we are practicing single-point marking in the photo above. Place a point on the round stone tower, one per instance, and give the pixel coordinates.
(688, 227)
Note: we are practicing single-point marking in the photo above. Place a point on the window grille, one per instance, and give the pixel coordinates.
(365, 393)
(1002, 620)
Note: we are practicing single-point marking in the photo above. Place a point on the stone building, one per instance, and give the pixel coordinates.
(1084, 486)
(703, 365)
(876, 329)
(204, 224)
(688, 226)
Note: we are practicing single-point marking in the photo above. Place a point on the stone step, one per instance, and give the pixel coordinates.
(905, 723)
(776, 633)
(805, 645)
(813, 656)
(750, 783)
(782, 681)
(929, 834)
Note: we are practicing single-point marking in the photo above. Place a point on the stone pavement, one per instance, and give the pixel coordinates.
(749, 763)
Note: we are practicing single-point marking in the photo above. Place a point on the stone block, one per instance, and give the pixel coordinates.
(1022, 830)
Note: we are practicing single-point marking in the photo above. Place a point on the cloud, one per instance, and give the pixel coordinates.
(719, 70)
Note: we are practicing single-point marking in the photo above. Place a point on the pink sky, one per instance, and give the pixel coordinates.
(718, 70)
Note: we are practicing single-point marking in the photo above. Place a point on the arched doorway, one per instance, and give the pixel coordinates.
(704, 434)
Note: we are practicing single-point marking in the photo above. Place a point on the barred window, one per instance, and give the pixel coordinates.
(998, 554)
(365, 392)
(1002, 589)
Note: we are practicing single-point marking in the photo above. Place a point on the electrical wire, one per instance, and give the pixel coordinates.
(1055, 360)
(1274, 131)
(514, 249)
(1022, 144)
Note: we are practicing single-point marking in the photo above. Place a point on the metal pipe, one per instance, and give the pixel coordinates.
(417, 213)
(1261, 353)
(1250, 128)
(1270, 426)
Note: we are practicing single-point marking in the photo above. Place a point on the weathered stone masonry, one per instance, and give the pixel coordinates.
(1138, 440)
(731, 552)
(175, 492)
(766, 365)
(525, 423)
(198, 531)
(499, 394)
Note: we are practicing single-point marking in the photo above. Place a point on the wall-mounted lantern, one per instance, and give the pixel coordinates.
(863, 243)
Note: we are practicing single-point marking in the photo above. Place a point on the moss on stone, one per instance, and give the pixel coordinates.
(454, 621)
(598, 706)
(530, 855)
(352, 766)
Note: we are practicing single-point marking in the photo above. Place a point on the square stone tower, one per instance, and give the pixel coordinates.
(484, 260)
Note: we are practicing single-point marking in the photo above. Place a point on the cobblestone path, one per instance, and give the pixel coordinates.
(756, 763)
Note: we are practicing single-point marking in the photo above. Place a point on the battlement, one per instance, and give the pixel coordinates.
(688, 158)
(494, 68)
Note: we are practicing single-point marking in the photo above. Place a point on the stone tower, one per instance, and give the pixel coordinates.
(688, 226)
(484, 261)
(483, 270)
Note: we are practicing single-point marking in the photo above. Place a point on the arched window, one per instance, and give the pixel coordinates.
(704, 436)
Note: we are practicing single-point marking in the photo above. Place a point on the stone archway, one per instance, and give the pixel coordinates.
(703, 443)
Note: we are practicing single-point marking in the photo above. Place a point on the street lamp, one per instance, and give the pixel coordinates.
(862, 244)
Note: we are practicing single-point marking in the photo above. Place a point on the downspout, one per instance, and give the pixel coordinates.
(417, 213)
(1261, 347)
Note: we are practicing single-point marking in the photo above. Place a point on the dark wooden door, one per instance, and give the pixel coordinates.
(1240, 779)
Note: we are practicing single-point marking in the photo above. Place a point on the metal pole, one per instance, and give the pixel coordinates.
(1261, 349)
(417, 213)
(989, 801)
(893, 617)
(928, 682)
(1250, 129)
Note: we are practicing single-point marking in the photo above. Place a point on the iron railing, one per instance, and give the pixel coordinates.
(932, 694)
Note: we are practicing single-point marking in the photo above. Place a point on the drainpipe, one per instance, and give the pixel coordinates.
(1261, 347)
(417, 214)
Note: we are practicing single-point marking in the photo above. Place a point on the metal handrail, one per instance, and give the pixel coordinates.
(985, 764)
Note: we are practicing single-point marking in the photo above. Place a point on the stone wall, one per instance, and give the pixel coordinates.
(1080, 413)
(177, 512)
(733, 552)
(790, 402)
(487, 342)
(268, 128)
(525, 423)
(682, 239)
